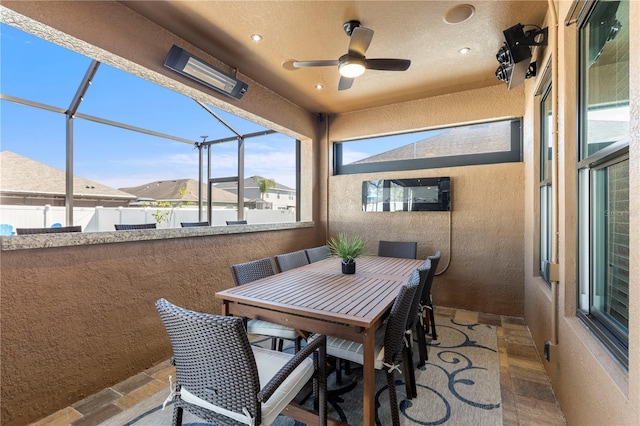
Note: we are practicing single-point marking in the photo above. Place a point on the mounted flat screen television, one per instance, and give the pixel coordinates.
(407, 195)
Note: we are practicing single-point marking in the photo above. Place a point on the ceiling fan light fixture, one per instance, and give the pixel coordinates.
(352, 67)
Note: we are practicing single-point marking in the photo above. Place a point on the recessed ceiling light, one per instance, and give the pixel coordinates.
(319, 86)
(256, 37)
(459, 13)
(464, 50)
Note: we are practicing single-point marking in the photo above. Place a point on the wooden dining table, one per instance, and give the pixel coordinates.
(319, 298)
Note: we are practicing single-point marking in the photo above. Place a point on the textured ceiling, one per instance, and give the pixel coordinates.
(310, 30)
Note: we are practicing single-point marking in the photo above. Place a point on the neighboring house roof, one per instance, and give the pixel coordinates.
(252, 183)
(170, 190)
(462, 140)
(24, 176)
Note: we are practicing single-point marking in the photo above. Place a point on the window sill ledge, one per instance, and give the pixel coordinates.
(610, 366)
(39, 241)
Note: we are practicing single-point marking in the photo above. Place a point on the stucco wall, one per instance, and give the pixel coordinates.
(485, 272)
(591, 387)
(484, 255)
(78, 319)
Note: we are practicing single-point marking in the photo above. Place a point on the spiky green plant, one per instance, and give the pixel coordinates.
(347, 247)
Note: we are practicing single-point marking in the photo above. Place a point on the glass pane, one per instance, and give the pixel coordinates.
(605, 73)
(610, 266)
(546, 136)
(545, 224)
(464, 140)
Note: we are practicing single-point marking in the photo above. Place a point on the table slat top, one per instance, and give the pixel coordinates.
(320, 290)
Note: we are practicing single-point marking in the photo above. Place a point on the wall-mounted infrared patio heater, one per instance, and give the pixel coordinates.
(515, 54)
(196, 69)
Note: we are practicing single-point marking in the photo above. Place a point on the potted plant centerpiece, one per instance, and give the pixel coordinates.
(347, 248)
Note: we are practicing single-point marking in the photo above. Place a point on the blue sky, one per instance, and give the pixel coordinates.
(36, 70)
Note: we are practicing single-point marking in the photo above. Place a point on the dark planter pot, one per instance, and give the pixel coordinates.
(348, 267)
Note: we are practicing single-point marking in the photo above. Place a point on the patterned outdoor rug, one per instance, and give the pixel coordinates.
(460, 385)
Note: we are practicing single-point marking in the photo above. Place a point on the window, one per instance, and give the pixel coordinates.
(485, 143)
(546, 182)
(134, 144)
(603, 174)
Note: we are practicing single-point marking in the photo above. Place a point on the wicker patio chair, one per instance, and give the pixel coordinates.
(193, 224)
(425, 300)
(291, 260)
(126, 227)
(318, 253)
(224, 380)
(403, 249)
(390, 338)
(236, 222)
(59, 230)
(414, 322)
(247, 272)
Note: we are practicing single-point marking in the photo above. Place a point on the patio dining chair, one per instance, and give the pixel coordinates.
(414, 323)
(403, 249)
(425, 301)
(193, 224)
(390, 346)
(224, 380)
(291, 260)
(127, 227)
(318, 253)
(59, 230)
(247, 272)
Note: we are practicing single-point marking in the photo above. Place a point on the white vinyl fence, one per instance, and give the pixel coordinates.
(96, 219)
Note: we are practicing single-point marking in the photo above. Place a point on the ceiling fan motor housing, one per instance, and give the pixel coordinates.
(349, 26)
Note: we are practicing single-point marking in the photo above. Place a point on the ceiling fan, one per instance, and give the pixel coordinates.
(354, 63)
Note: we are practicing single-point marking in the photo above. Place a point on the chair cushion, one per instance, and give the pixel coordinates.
(269, 363)
(265, 328)
(353, 351)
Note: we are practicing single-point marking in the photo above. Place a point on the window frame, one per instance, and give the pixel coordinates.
(514, 155)
(545, 183)
(604, 329)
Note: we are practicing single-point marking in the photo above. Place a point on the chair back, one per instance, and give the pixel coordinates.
(193, 224)
(60, 230)
(425, 299)
(414, 311)
(247, 272)
(213, 358)
(126, 227)
(236, 222)
(397, 321)
(291, 260)
(403, 249)
(318, 253)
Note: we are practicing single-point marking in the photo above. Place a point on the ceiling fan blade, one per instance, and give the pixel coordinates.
(345, 83)
(388, 64)
(360, 40)
(304, 64)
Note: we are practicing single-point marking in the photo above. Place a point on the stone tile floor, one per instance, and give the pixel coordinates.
(527, 397)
